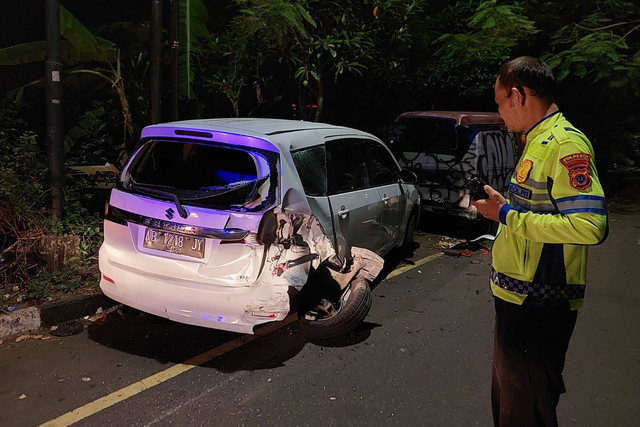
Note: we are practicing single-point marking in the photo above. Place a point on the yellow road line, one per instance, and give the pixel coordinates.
(418, 263)
(138, 387)
(162, 376)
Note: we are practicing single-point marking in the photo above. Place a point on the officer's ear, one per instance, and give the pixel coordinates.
(519, 94)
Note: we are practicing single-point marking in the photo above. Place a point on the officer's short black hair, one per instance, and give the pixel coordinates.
(526, 71)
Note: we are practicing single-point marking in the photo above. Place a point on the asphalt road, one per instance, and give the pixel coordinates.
(422, 357)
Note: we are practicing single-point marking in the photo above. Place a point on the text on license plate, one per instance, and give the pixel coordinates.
(174, 243)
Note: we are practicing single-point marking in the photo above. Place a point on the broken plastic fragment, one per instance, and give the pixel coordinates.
(67, 329)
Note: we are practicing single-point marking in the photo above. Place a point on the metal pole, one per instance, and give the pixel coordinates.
(54, 111)
(175, 59)
(156, 52)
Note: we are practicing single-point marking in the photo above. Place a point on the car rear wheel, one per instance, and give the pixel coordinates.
(334, 318)
(409, 233)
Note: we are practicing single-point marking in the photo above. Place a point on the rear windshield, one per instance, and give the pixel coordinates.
(203, 174)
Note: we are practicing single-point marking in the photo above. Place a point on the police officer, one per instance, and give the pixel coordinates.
(554, 208)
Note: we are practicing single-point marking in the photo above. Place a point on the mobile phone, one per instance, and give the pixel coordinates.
(476, 188)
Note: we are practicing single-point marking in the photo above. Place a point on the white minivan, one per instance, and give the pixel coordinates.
(220, 222)
(447, 148)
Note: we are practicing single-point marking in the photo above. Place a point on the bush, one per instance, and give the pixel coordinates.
(24, 222)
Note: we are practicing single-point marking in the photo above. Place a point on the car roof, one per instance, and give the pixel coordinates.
(461, 117)
(272, 130)
(249, 126)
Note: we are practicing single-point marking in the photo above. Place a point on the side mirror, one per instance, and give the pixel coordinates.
(407, 176)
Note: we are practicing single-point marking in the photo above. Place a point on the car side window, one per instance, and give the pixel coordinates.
(385, 170)
(311, 164)
(349, 165)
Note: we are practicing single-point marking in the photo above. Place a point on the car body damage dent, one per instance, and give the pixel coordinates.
(295, 242)
(301, 244)
(230, 223)
(364, 263)
(298, 243)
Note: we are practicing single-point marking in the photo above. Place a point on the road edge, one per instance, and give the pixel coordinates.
(30, 319)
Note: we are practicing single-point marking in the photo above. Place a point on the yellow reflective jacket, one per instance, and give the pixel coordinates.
(556, 206)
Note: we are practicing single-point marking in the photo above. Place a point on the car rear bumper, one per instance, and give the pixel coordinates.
(229, 308)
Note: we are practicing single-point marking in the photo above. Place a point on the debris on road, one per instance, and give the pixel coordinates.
(67, 329)
(456, 247)
(31, 337)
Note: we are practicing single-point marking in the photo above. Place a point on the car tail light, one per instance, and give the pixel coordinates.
(111, 215)
(251, 239)
(264, 314)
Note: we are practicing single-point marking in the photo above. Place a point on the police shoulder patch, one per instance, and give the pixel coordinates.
(523, 170)
(578, 166)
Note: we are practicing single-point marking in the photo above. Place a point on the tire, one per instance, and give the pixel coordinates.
(409, 233)
(328, 320)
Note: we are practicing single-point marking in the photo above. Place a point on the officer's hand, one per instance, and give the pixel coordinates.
(490, 208)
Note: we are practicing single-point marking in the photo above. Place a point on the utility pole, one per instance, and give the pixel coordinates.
(54, 111)
(156, 56)
(175, 59)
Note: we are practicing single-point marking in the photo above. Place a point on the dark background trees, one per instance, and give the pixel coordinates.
(352, 62)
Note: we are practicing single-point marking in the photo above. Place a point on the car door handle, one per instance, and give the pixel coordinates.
(385, 199)
(343, 211)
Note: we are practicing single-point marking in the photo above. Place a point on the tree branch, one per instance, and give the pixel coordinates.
(610, 26)
(631, 31)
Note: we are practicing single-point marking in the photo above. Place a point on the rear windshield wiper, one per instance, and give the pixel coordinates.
(148, 189)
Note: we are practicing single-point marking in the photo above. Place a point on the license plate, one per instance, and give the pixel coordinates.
(174, 243)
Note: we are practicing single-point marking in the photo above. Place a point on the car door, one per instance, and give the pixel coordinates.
(385, 174)
(356, 207)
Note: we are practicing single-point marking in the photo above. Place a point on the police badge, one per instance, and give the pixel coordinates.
(523, 170)
(578, 166)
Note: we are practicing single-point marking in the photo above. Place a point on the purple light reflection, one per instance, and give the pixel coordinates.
(223, 137)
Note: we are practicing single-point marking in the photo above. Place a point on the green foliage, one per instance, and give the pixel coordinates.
(193, 17)
(595, 57)
(50, 283)
(261, 33)
(467, 62)
(89, 47)
(80, 46)
(23, 219)
(226, 74)
(23, 168)
(366, 60)
(79, 221)
(86, 142)
(597, 53)
(399, 31)
(23, 53)
(275, 22)
(597, 47)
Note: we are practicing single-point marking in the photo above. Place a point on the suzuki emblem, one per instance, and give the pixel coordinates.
(169, 213)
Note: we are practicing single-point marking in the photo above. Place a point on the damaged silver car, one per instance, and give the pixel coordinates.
(223, 223)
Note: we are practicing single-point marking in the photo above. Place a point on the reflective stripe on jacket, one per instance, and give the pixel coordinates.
(556, 206)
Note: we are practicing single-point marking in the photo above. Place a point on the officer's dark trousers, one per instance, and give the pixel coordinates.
(528, 358)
